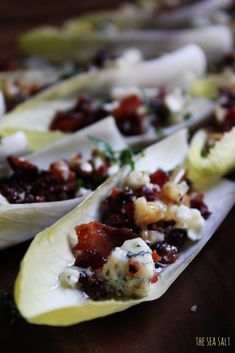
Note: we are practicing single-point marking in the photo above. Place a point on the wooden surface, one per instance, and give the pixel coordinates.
(163, 326)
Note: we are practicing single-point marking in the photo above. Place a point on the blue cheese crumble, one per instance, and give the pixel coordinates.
(130, 268)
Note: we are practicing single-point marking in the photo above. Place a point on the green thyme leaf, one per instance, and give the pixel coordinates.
(104, 147)
(160, 133)
(126, 158)
(80, 183)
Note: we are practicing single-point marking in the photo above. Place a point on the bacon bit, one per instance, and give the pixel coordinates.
(159, 177)
(154, 278)
(19, 165)
(101, 238)
(93, 236)
(61, 170)
(128, 106)
(155, 256)
(115, 192)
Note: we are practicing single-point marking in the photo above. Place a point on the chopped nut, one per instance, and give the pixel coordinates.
(175, 192)
(148, 212)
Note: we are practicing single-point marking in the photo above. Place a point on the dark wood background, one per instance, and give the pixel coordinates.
(164, 326)
(17, 16)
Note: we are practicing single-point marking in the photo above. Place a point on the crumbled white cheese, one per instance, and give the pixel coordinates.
(175, 101)
(189, 218)
(111, 106)
(85, 166)
(113, 169)
(136, 180)
(82, 192)
(129, 57)
(152, 236)
(130, 268)
(69, 277)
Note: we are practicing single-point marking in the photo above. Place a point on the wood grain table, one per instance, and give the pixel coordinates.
(166, 325)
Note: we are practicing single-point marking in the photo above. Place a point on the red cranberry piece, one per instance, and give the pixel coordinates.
(128, 119)
(90, 258)
(229, 121)
(169, 253)
(176, 236)
(159, 177)
(92, 286)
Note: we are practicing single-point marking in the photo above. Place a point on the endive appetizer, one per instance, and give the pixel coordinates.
(41, 188)
(125, 244)
(33, 75)
(148, 99)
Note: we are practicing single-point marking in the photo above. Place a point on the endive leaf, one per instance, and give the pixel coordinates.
(21, 222)
(38, 293)
(209, 86)
(36, 139)
(219, 161)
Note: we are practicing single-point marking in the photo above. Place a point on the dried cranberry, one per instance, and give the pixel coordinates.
(19, 165)
(92, 286)
(229, 121)
(198, 203)
(82, 114)
(118, 210)
(90, 258)
(160, 111)
(159, 177)
(101, 58)
(129, 120)
(151, 194)
(176, 236)
(169, 253)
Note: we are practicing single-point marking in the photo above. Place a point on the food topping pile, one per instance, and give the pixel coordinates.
(143, 226)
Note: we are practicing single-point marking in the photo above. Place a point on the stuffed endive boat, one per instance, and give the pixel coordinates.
(49, 183)
(120, 247)
(143, 98)
(33, 75)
